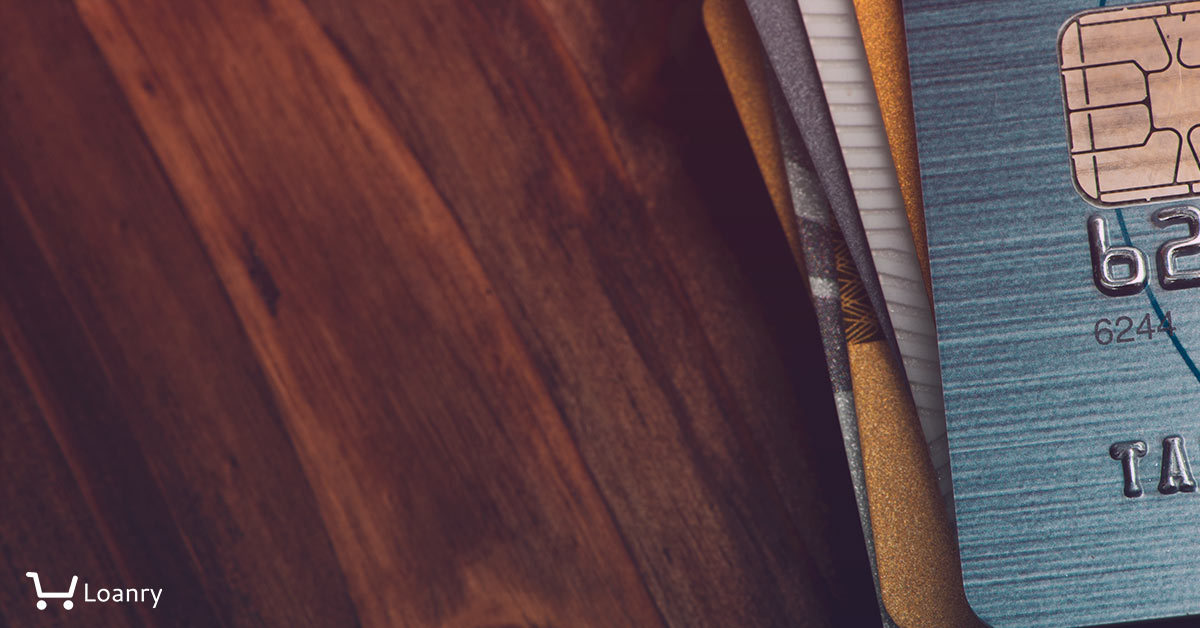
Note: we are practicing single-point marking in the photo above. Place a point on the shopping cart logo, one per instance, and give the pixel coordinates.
(51, 595)
(101, 595)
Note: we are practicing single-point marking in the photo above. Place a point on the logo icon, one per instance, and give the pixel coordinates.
(50, 595)
(1130, 76)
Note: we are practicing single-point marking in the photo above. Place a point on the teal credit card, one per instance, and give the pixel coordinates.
(1059, 144)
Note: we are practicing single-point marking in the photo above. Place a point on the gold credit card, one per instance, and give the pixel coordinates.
(915, 559)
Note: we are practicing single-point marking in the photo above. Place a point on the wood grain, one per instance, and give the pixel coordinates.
(385, 314)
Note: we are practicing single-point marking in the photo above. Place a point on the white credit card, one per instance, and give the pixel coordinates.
(837, 45)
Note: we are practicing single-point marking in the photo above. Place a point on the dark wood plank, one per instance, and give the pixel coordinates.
(667, 103)
(48, 523)
(402, 314)
(146, 376)
(659, 359)
(349, 274)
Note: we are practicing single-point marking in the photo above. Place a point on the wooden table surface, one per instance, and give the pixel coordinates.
(337, 313)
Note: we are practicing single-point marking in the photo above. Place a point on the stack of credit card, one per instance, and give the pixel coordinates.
(1030, 173)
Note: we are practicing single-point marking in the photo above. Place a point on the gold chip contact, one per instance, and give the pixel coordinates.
(1131, 88)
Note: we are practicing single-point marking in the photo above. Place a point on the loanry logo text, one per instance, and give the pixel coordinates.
(101, 595)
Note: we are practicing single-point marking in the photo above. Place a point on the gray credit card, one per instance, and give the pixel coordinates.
(1059, 145)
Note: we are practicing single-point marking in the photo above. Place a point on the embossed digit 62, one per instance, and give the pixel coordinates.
(1107, 257)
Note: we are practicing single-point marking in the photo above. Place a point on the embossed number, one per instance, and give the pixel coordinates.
(1169, 274)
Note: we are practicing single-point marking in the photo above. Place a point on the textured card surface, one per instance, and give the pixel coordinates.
(842, 62)
(1058, 142)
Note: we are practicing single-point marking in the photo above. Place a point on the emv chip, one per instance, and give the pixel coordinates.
(1131, 87)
